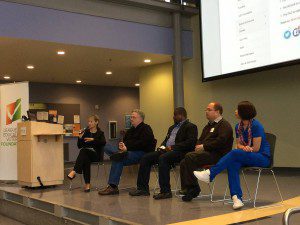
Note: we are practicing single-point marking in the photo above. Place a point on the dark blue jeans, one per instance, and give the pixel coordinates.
(233, 161)
(116, 169)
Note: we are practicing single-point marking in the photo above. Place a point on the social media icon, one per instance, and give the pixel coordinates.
(287, 34)
(296, 32)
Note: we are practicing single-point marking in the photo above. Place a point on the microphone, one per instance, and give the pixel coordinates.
(83, 130)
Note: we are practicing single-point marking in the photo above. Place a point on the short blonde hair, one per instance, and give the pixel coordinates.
(141, 113)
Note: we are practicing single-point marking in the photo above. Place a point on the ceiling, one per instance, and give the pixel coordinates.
(87, 64)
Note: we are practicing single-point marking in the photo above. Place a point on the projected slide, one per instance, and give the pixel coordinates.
(238, 35)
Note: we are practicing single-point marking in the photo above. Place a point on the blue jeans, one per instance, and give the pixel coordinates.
(116, 169)
(233, 161)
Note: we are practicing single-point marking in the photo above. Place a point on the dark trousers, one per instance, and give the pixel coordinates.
(83, 163)
(194, 161)
(164, 161)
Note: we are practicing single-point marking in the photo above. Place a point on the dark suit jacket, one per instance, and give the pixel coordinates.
(186, 137)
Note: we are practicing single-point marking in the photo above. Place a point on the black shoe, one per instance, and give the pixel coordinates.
(193, 193)
(183, 192)
(162, 196)
(119, 156)
(139, 192)
(87, 190)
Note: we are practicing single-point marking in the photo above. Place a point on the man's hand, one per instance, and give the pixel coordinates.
(88, 139)
(198, 148)
(122, 147)
(168, 149)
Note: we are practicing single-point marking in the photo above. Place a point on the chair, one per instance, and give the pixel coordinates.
(271, 138)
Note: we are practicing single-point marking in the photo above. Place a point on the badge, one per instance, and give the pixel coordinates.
(212, 130)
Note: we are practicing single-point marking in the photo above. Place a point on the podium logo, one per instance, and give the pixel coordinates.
(13, 111)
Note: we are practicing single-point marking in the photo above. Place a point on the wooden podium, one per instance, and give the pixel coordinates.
(40, 154)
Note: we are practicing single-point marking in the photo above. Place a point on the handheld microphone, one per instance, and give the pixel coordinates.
(83, 130)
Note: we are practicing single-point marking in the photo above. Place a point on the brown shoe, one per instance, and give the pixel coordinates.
(109, 191)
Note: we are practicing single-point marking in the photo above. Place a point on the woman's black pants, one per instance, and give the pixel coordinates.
(83, 163)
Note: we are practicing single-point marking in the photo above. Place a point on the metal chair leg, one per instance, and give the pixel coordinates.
(212, 193)
(277, 186)
(71, 183)
(156, 182)
(176, 180)
(247, 187)
(256, 190)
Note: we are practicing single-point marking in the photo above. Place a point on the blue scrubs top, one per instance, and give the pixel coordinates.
(257, 131)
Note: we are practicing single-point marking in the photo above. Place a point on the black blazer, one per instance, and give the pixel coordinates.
(97, 144)
(186, 137)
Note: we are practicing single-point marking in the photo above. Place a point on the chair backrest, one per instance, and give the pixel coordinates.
(271, 139)
(154, 144)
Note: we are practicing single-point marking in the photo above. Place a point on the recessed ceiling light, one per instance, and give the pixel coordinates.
(61, 52)
(108, 73)
(6, 77)
(147, 61)
(137, 85)
(78, 81)
(30, 67)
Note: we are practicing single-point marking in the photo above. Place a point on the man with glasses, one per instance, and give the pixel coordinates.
(138, 140)
(215, 141)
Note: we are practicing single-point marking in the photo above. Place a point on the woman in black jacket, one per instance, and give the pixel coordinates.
(90, 142)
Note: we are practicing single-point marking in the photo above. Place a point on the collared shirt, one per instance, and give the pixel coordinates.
(216, 120)
(171, 140)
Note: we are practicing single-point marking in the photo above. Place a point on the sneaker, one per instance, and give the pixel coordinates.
(162, 196)
(118, 156)
(203, 175)
(109, 191)
(139, 192)
(237, 203)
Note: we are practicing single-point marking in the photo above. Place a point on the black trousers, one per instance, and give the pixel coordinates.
(164, 161)
(194, 161)
(83, 163)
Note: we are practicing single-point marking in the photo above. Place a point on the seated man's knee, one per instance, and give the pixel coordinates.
(144, 161)
(162, 159)
(189, 157)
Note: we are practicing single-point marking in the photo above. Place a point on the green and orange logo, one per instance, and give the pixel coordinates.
(13, 111)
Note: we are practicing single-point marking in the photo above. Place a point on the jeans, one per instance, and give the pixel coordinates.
(116, 169)
(233, 161)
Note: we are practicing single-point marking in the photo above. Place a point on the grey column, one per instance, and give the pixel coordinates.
(177, 63)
